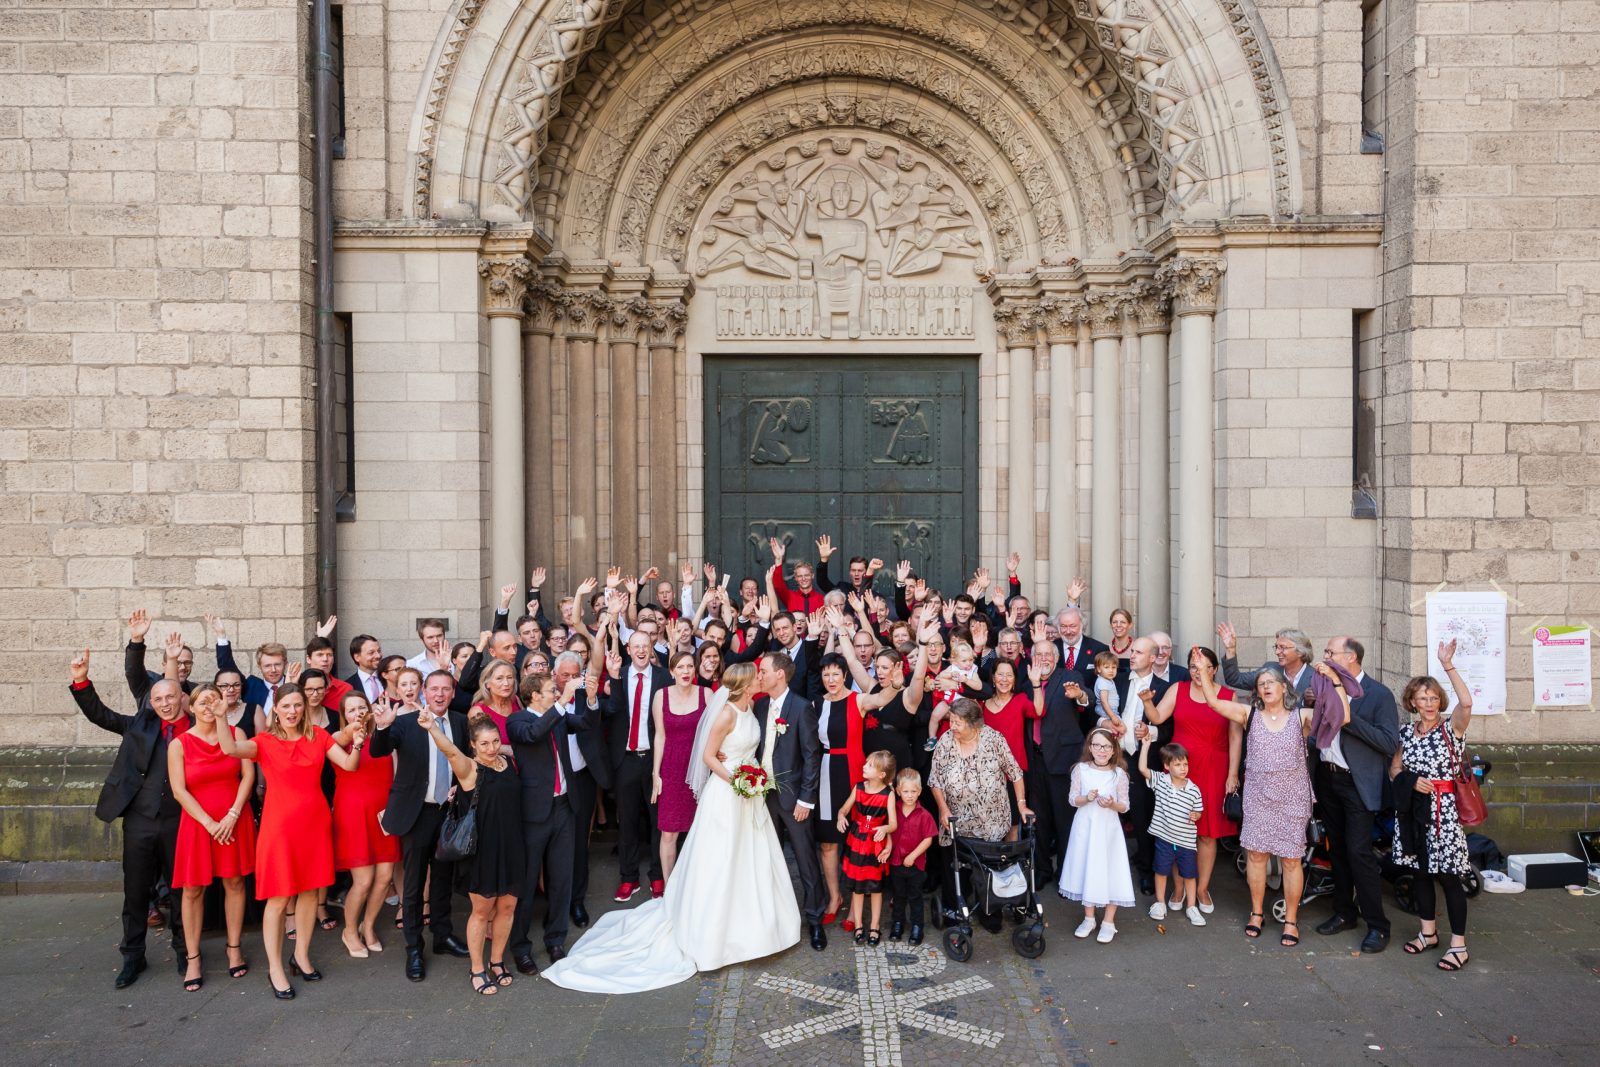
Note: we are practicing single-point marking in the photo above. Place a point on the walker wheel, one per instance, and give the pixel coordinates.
(1280, 910)
(1404, 898)
(957, 945)
(1028, 941)
(1241, 860)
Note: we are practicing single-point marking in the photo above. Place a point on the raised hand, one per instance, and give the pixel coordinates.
(777, 550)
(1035, 675)
(483, 639)
(1013, 561)
(214, 624)
(874, 565)
(1076, 588)
(536, 580)
(426, 719)
(710, 571)
(1038, 633)
(591, 684)
(949, 611)
(174, 645)
(631, 584)
(138, 626)
(292, 673)
(651, 574)
(1229, 639)
(824, 548)
(1447, 655)
(80, 668)
(383, 713)
(614, 664)
(854, 600)
(929, 632)
(763, 610)
(686, 573)
(902, 571)
(814, 625)
(613, 577)
(1073, 690)
(326, 628)
(507, 591)
(570, 690)
(585, 587)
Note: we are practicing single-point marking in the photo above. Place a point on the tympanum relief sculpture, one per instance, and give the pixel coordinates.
(841, 236)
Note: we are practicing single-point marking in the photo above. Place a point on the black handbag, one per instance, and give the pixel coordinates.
(458, 837)
(1233, 803)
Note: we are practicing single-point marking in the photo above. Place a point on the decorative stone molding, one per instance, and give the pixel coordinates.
(1193, 282)
(505, 284)
(583, 310)
(666, 320)
(466, 17)
(1104, 309)
(1258, 56)
(1151, 305)
(543, 306)
(628, 317)
(1018, 322)
(1061, 317)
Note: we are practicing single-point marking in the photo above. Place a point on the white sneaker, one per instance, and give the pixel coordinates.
(1195, 918)
(1084, 929)
(1158, 911)
(1107, 932)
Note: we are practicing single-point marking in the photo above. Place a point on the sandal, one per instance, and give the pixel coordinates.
(327, 922)
(1253, 930)
(192, 985)
(1289, 940)
(1420, 944)
(874, 937)
(488, 988)
(502, 974)
(242, 969)
(861, 936)
(1454, 959)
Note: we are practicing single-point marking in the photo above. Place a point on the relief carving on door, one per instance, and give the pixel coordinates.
(823, 231)
(779, 434)
(900, 432)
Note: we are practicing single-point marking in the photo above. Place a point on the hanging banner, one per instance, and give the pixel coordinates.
(1562, 667)
(1476, 622)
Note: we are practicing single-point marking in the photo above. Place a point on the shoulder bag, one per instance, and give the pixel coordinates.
(1470, 808)
(458, 837)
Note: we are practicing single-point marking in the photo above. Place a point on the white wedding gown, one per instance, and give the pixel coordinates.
(729, 900)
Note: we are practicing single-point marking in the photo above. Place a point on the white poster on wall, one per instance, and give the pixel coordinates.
(1476, 622)
(1562, 667)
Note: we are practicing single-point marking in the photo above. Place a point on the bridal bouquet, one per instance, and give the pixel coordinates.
(751, 781)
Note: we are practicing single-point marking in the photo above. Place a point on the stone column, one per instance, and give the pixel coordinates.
(1105, 506)
(1194, 282)
(1155, 564)
(505, 285)
(626, 455)
(538, 333)
(1061, 319)
(666, 320)
(582, 518)
(1018, 323)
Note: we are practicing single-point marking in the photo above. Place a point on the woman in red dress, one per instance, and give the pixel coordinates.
(497, 695)
(1213, 743)
(359, 844)
(1010, 714)
(216, 833)
(294, 850)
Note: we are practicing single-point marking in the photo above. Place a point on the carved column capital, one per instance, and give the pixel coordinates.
(1151, 304)
(505, 283)
(1061, 317)
(1104, 308)
(666, 320)
(1194, 282)
(628, 317)
(543, 305)
(582, 310)
(1018, 321)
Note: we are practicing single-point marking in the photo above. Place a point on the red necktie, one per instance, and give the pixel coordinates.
(1072, 657)
(638, 699)
(556, 754)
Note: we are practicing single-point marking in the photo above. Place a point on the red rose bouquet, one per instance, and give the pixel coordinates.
(751, 781)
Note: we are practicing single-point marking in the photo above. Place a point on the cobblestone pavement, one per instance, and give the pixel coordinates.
(1182, 996)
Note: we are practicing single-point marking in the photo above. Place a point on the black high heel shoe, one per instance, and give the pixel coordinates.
(313, 975)
(243, 968)
(875, 938)
(193, 985)
(281, 994)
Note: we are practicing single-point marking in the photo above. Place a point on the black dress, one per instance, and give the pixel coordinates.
(500, 862)
(889, 729)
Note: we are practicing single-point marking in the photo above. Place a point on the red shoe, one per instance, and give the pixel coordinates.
(658, 889)
(625, 892)
(828, 917)
(849, 926)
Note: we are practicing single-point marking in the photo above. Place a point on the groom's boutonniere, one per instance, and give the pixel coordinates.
(781, 725)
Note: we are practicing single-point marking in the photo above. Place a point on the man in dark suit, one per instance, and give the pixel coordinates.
(137, 792)
(1350, 779)
(796, 637)
(1131, 710)
(628, 729)
(1291, 652)
(590, 760)
(1077, 648)
(538, 735)
(415, 814)
(366, 653)
(791, 751)
(1054, 742)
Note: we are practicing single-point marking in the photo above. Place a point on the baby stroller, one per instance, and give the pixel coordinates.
(1317, 865)
(992, 876)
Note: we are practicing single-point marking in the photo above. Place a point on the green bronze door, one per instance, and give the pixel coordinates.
(881, 454)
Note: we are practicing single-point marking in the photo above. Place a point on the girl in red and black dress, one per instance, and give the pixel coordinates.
(867, 819)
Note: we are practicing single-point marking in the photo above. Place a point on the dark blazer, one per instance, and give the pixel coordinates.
(1088, 649)
(753, 650)
(616, 708)
(1164, 733)
(1179, 674)
(807, 680)
(592, 743)
(797, 752)
(1368, 741)
(531, 743)
(1062, 728)
(467, 684)
(256, 690)
(415, 750)
(1245, 681)
(136, 756)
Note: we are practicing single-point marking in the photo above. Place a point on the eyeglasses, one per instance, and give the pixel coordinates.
(230, 685)
(1101, 747)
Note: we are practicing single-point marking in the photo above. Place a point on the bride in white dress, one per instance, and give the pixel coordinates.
(729, 899)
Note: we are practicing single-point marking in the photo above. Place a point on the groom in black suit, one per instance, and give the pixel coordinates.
(791, 751)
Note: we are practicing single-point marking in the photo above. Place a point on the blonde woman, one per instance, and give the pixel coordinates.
(497, 695)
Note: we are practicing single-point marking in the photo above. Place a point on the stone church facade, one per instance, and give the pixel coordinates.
(1278, 311)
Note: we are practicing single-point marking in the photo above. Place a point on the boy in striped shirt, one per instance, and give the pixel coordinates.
(1178, 807)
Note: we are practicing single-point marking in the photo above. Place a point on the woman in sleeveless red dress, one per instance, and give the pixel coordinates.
(294, 850)
(217, 831)
(359, 844)
(675, 712)
(497, 695)
(1213, 763)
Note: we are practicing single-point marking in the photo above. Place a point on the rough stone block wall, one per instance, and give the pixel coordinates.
(154, 437)
(1492, 327)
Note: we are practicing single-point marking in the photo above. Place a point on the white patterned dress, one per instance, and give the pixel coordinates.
(1428, 756)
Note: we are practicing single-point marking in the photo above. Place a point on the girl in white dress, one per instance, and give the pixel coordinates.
(730, 898)
(1096, 870)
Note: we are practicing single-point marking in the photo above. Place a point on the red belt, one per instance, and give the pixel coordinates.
(838, 752)
(1440, 787)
